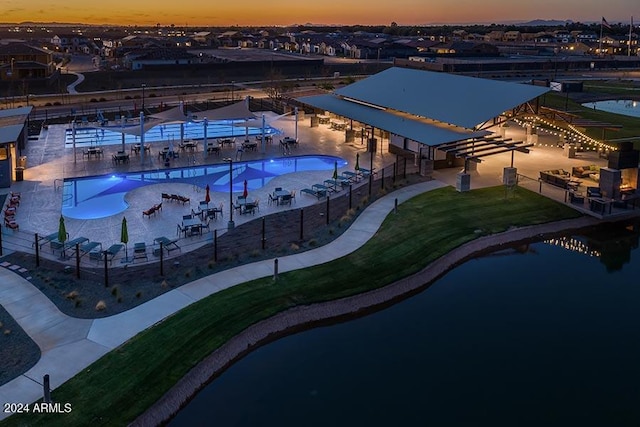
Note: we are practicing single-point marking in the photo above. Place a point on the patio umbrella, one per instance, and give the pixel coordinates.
(245, 192)
(124, 237)
(357, 162)
(335, 170)
(62, 234)
(207, 196)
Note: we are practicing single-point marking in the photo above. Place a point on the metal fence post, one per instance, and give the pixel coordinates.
(161, 259)
(37, 250)
(275, 269)
(301, 224)
(106, 269)
(382, 180)
(264, 239)
(78, 260)
(327, 213)
(215, 244)
(350, 194)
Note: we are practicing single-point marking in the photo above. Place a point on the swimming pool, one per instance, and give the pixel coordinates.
(112, 135)
(102, 196)
(625, 107)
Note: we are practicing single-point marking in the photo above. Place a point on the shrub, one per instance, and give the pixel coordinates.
(7, 331)
(119, 299)
(138, 294)
(115, 291)
(294, 247)
(93, 100)
(164, 284)
(313, 242)
(254, 253)
(72, 295)
(101, 305)
(77, 303)
(102, 99)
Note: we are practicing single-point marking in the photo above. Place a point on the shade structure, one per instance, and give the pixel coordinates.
(207, 196)
(124, 237)
(245, 192)
(357, 162)
(335, 170)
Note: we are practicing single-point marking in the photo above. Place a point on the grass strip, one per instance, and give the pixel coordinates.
(122, 384)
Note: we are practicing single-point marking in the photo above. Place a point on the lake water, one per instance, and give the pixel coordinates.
(543, 334)
(625, 107)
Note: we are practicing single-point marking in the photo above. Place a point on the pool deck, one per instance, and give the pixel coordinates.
(49, 161)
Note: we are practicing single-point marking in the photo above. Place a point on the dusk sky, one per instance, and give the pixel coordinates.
(286, 12)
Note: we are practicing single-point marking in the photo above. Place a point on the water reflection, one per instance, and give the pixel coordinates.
(542, 334)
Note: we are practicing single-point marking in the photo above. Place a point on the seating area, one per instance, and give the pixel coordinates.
(120, 157)
(558, 177)
(585, 171)
(152, 210)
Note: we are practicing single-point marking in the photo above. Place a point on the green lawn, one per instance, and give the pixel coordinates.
(121, 385)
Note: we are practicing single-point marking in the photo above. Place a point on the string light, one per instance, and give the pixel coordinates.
(572, 134)
(574, 245)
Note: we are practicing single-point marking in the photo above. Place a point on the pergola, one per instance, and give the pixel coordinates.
(436, 111)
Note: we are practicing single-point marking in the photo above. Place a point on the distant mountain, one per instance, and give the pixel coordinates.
(545, 23)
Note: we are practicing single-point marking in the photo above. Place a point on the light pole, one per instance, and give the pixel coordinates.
(233, 83)
(231, 224)
(143, 86)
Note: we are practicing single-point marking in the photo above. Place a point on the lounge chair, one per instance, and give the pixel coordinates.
(72, 243)
(12, 224)
(113, 251)
(140, 251)
(89, 247)
(168, 244)
(49, 238)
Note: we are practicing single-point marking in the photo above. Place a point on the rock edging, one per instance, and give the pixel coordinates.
(295, 318)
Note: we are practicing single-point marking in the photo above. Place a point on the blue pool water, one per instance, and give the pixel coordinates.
(625, 107)
(112, 135)
(103, 196)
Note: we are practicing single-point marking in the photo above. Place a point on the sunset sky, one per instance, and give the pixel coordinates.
(286, 12)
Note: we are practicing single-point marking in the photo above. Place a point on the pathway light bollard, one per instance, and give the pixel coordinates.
(395, 206)
(275, 270)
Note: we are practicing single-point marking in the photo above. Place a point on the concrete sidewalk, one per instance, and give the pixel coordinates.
(69, 345)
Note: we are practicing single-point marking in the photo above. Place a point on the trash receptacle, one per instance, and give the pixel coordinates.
(19, 174)
(22, 162)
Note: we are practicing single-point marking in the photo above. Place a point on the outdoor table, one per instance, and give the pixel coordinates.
(279, 193)
(96, 152)
(188, 224)
(227, 141)
(121, 157)
(323, 120)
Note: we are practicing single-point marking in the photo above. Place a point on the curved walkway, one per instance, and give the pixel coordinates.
(69, 345)
(72, 87)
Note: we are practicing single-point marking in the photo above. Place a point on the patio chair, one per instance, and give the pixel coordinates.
(180, 229)
(286, 199)
(293, 195)
(185, 217)
(140, 251)
(272, 199)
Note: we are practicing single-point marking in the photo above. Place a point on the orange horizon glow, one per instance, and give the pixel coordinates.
(287, 12)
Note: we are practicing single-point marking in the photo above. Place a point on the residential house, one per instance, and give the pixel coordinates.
(20, 61)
